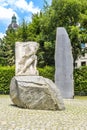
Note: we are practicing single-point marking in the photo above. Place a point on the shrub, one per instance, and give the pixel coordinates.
(6, 73)
(47, 72)
(80, 81)
(80, 78)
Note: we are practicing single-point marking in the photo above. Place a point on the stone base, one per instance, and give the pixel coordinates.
(35, 92)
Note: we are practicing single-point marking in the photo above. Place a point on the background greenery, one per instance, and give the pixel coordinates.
(80, 78)
(80, 81)
(6, 73)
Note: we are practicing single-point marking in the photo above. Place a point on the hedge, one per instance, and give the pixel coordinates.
(80, 78)
(6, 73)
(47, 72)
(80, 81)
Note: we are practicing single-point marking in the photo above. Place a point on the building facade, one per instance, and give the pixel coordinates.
(82, 60)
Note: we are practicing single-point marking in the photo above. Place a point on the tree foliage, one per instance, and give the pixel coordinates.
(75, 42)
(7, 48)
(42, 29)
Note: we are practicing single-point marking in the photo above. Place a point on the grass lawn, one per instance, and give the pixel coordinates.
(76, 97)
(4, 96)
(81, 97)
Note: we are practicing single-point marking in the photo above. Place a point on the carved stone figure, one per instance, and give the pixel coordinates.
(27, 60)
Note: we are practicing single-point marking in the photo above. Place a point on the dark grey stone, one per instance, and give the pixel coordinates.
(64, 64)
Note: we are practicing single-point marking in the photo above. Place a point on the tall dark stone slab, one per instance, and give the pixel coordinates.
(64, 64)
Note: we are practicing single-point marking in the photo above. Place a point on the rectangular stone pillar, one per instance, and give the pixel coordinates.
(64, 64)
(25, 58)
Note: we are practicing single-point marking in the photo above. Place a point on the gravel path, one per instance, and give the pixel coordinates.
(14, 118)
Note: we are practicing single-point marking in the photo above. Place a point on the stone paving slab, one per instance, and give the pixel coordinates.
(14, 118)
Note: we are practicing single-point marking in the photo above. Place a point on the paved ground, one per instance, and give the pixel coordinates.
(14, 118)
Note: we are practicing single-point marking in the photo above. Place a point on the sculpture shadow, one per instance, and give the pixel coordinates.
(15, 106)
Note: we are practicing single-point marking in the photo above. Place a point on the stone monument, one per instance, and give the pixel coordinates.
(27, 88)
(26, 59)
(64, 64)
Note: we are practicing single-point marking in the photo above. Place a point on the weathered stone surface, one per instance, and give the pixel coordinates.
(25, 58)
(64, 64)
(35, 92)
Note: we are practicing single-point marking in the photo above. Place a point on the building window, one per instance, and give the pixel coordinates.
(75, 64)
(83, 63)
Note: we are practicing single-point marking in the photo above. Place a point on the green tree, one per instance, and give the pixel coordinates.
(34, 27)
(75, 42)
(2, 60)
(66, 12)
(8, 48)
(22, 32)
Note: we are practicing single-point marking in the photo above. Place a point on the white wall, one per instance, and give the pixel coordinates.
(81, 59)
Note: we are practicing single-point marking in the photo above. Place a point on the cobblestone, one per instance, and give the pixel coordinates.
(74, 117)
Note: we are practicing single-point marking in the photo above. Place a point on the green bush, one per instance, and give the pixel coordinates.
(80, 81)
(6, 73)
(80, 78)
(47, 72)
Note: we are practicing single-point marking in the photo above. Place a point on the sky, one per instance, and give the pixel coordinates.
(22, 9)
